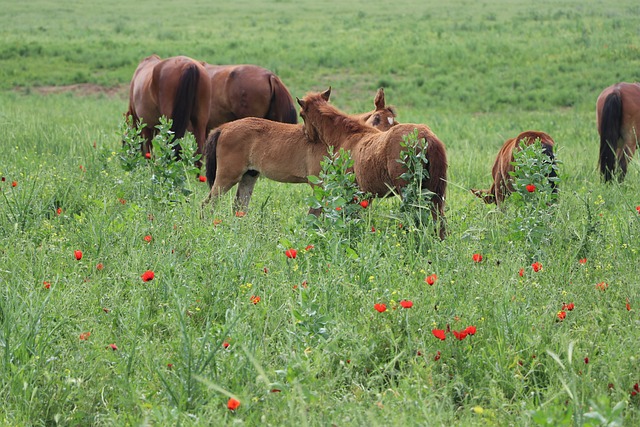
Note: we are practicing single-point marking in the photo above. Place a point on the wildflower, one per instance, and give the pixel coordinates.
(169, 366)
(59, 211)
(84, 336)
(240, 214)
(636, 389)
(471, 330)
(602, 286)
(275, 390)
(46, 285)
(147, 275)
(460, 334)
(381, 308)
(477, 258)
(628, 306)
(521, 272)
(531, 188)
(147, 155)
(582, 261)
(586, 360)
(437, 356)
(100, 266)
(113, 347)
(254, 299)
(14, 184)
(431, 279)
(225, 344)
(562, 315)
(121, 200)
(638, 209)
(147, 238)
(568, 307)
(308, 248)
(373, 229)
(406, 303)
(364, 204)
(78, 255)
(439, 333)
(106, 310)
(536, 266)
(291, 253)
(233, 404)
(202, 178)
(338, 208)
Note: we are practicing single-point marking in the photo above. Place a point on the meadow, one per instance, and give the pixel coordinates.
(84, 340)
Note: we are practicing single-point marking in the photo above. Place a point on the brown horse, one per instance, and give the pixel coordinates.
(382, 117)
(618, 115)
(239, 91)
(177, 88)
(375, 154)
(239, 151)
(502, 180)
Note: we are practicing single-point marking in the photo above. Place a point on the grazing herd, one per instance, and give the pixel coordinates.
(251, 123)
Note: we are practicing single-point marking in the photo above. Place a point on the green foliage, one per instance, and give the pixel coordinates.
(168, 176)
(535, 180)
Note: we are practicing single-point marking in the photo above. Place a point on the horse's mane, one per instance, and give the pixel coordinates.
(350, 124)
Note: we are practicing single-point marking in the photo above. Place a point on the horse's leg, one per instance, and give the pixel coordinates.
(220, 187)
(437, 214)
(245, 190)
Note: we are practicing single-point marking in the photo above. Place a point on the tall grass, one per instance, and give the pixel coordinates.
(313, 350)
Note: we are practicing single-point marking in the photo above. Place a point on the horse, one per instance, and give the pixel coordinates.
(241, 150)
(618, 116)
(239, 91)
(502, 180)
(375, 154)
(177, 88)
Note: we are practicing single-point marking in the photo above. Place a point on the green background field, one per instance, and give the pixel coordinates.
(477, 73)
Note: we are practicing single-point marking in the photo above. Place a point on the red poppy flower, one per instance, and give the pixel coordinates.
(106, 310)
(233, 404)
(460, 334)
(477, 258)
(521, 272)
(254, 299)
(122, 201)
(437, 356)
(562, 315)
(240, 214)
(78, 255)
(113, 347)
(531, 188)
(202, 178)
(439, 333)
(147, 238)
(381, 308)
(586, 360)
(147, 155)
(14, 184)
(373, 229)
(602, 286)
(99, 266)
(59, 211)
(364, 204)
(4, 179)
(431, 279)
(148, 275)
(217, 222)
(582, 261)
(169, 366)
(275, 390)
(291, 253)
(471, 330)
(637, 207)
(308, 248)
(84, 336)
(568, 307)
(536, 266)
(628, 306)
(406, 303)
(225, 344)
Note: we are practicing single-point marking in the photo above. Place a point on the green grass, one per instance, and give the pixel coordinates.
(477, 74)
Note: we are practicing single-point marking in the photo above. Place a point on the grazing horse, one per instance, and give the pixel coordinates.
(177, 88)
(375, 154)
(239, 91)
(240, 151)
(618, 115)
(502, 180)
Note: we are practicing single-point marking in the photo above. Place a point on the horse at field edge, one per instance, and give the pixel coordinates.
(618, 117)
(503, 166)
(177, 88)
(238, 152)
(375, 154)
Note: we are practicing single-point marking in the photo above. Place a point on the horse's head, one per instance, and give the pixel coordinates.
(485, 195)
(383, 117)
(308, 105)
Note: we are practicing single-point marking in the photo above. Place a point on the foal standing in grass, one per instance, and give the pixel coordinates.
(239, 151)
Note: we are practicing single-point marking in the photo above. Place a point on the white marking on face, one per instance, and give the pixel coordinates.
(390, 120)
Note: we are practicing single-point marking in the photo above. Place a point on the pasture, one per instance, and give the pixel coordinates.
(84, 340)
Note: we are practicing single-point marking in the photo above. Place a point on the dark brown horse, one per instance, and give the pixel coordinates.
(240, 151)
(239, 91)
(618, 115)
(177, 88)
(502, 180)
(375, 154)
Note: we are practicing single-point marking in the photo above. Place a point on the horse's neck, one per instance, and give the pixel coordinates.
(337, 134)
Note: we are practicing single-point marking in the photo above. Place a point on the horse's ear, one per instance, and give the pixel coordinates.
(300, 102)
(326, 94)
(379, 101)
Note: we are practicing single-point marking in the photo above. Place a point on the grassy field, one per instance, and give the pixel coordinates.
(88, 342)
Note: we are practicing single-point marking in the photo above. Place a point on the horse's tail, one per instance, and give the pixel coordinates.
(211, 159)
(185, 99)
(437, 155)
(281, 106)
(610, 122)
(547, 148)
